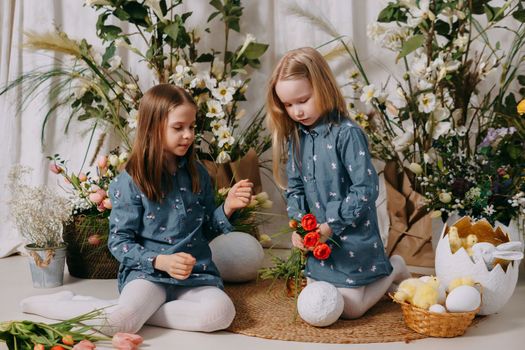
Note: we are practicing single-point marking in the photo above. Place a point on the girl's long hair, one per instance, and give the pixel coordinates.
(147, 165)
(307, 63)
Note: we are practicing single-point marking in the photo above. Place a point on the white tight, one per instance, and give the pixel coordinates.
(359, 300)
(204, 309)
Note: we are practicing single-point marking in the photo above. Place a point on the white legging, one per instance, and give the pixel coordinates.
(359, 300)
(204, 309)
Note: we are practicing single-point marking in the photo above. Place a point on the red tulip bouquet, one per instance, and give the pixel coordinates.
(309, 230)
(291, 269)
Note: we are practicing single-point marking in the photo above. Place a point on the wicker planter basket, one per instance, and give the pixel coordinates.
(83, 259)
(445, 325)
(294, 288)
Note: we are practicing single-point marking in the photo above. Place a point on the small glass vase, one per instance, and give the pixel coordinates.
(47, 265)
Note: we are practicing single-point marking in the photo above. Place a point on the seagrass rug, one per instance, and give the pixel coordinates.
(264, 311)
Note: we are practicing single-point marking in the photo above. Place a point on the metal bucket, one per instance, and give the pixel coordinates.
(47, 266)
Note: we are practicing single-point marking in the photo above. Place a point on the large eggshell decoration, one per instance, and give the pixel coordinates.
(497, 284)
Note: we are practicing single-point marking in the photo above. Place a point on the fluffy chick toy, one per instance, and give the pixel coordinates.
(427, 294)
(460, 281)
(454, 240)
(407, 289)
(468, 242)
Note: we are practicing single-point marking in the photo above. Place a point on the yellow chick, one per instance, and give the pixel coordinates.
(454, 240)
(469, 242)
(426, 295)
(460, 281)
(407, 289)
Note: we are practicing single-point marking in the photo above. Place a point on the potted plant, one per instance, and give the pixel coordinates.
(87, 233)
(39, 214)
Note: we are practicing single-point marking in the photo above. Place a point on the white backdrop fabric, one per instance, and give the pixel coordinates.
(269, 20)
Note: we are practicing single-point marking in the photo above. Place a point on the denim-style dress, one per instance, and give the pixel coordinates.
(334, 179)
(141, 229)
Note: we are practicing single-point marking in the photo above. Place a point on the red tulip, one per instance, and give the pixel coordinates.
(126, 341)
(322, 251)
(311, 239)
(309, 222)
(57, 347)
(293, 224)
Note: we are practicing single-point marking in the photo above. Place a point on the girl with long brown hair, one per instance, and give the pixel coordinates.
(162, 220)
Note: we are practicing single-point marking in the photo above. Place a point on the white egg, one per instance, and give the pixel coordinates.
(438, 308)
(463, 299)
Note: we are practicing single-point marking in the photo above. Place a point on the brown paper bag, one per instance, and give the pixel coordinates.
(227, 174)
(410, 233)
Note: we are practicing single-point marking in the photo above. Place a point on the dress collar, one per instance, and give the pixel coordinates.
(323, 125)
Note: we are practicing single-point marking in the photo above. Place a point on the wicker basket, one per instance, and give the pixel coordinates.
(83, 259)
(294, 288)
(433, 324)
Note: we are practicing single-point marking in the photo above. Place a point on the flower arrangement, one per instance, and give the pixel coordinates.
(38, 212)
(68, 334)
(457, 134)
(98, 88)
(308, 230)
(292, 269)
(455, 131)
(89, 194)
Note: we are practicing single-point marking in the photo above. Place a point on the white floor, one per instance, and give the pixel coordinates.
(503, 331)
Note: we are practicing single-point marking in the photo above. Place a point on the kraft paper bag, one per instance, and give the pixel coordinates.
(410, 233)
(227, 174)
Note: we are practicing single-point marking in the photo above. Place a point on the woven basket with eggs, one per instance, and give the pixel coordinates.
(433, 324)
(430, 317)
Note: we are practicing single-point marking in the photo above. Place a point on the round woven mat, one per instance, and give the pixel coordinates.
(264, 311)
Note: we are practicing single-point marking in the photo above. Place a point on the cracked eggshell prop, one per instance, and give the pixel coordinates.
(498, 284)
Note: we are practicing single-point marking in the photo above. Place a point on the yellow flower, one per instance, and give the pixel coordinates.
(521, 107)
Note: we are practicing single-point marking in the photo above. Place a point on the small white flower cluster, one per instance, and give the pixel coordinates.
(38, 212)
(518, 200)
(216, 102)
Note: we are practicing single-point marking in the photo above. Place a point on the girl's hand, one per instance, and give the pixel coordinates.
(297, 241)
(239, 196)
(178, 265)
(325, 231)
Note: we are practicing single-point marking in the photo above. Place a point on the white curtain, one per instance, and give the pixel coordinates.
(271, 21)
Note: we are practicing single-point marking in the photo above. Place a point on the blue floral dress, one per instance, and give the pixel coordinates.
(334, 179)
(141, 229)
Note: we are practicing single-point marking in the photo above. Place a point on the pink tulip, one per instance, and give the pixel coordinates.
(95, 198)
(102, 193)
(126, 341)
(84, 345)
(82, 177)
(55, 168)
(107, 203)
(94, 240)
(100, 207)
(102, 161)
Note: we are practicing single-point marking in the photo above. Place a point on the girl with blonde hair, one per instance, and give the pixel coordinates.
(329, 174)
